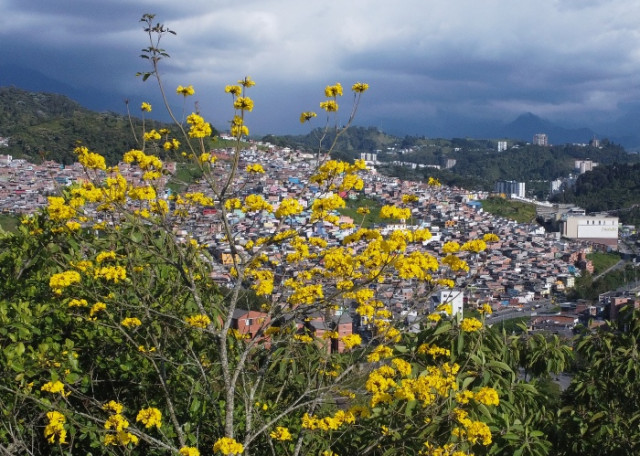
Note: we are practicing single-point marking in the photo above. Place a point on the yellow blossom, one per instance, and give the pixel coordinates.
(470, 324)
(185, 91)
(198, 321)
(360, 87)
(307, 116)
(150, 417)
(146, 107)
(189, 451)
(281, 433)
(131, 322)
(255, 168)
(329, 105)
(228, 446)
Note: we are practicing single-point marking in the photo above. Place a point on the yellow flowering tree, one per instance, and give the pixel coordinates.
(120, 338)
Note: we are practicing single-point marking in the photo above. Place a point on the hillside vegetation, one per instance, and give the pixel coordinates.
(514, 210)
(44, 126)
(608, 188)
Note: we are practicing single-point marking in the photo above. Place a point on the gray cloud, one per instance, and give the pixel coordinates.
(428, 63)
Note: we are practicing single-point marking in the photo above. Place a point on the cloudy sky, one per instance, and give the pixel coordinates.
(435, 67)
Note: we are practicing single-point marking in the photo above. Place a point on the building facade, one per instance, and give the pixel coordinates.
(594, 228)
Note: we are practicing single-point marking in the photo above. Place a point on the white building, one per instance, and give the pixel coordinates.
(595, 228)
(540, 139)
(449, 296)
(502, 146)
(510, 188)
(582, 166)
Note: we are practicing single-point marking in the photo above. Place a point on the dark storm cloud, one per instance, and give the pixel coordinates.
(436, 62)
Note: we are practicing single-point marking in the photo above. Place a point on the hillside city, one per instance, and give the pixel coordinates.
(520, 273)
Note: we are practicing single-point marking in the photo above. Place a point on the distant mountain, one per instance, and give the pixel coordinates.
(35, 81)
(49, 126)
(527, 125)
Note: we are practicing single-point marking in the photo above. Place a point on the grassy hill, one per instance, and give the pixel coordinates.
(43, 126)
(514, 210)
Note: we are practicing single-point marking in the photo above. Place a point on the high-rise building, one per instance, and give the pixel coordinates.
(502, 146)
(540, 139)
(510, 188)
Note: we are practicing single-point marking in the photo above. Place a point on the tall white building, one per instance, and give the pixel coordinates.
(582, 166)
(502, 146)
(510, 188)
(540, 139)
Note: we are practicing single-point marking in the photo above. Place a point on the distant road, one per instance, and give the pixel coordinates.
(618, 265)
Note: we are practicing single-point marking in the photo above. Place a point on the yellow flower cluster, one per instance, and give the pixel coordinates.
(185, 91)
(143, 193)
(455, 263)
(243, 104)
(281, 433)
(113, 407)
(393, 212)
(409, 199)
(58, 210)
(189, 451)
(486, 309)
(333, 90)
(487, 396)
(450, 247)
(90, 160)
(490, 237)
(199, 128)
(228, 446)
(351, 340)
(308, 294)
(255, 168)
(472, 431)
(360, 87)
(152, 135)
(78, 303)
(62, 280)
(303, 338)
(55, 427)
(380, 352)
(55, 387)
(328, 423)
(150, 417)
(198, 321)
(145, 162)
(97, 307)
(416, 266)
(145, 107)
(256, 203)
(264, 281)
(111, 273)
(470, 324)
(307, 116)
(288, 207)
(131, 322)
(172, 144)
(105, 256)
(475, 246)
(433, 350)
(329, 105)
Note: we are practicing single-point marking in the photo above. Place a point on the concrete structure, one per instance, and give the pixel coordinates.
(510, 188)
(540, 139)
(594, 228)
(582, 166)
(502, 146)
(450, 296)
